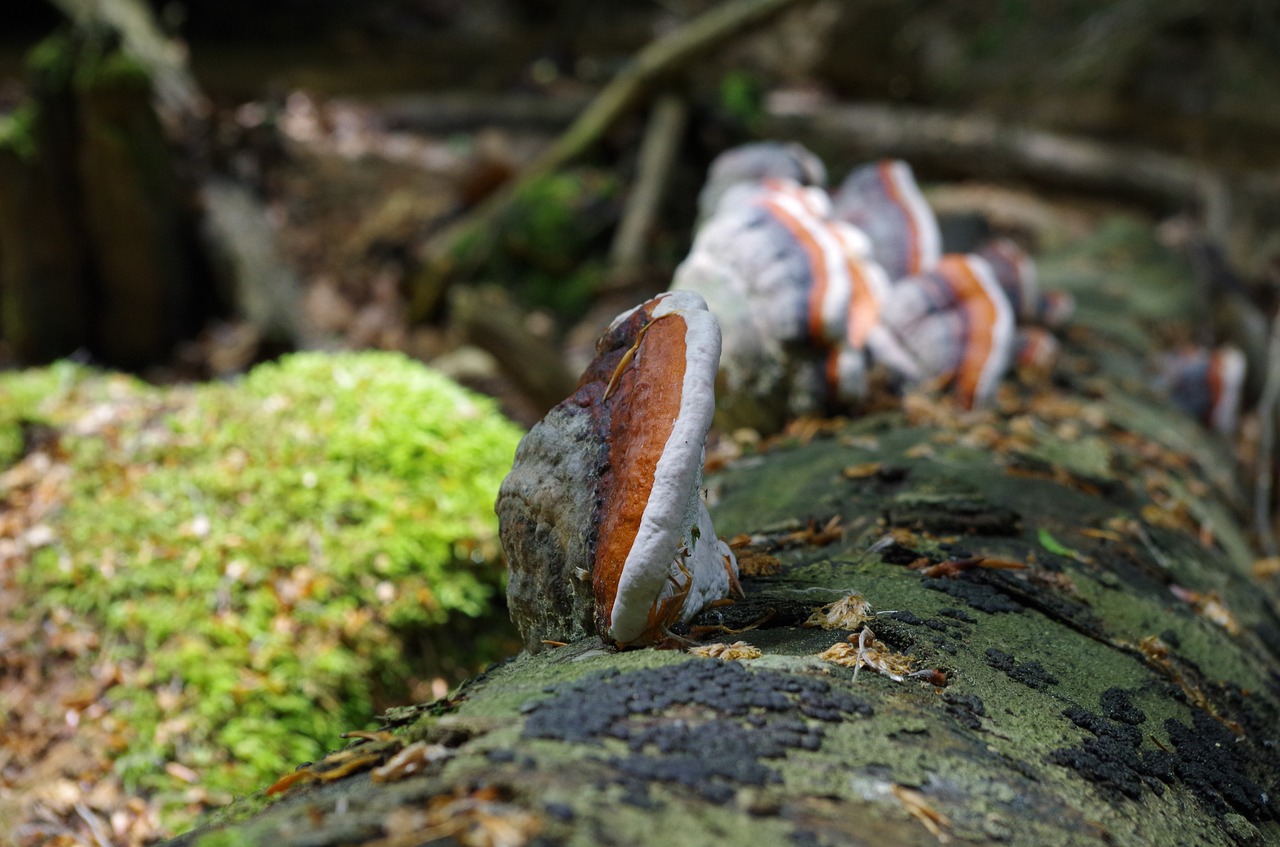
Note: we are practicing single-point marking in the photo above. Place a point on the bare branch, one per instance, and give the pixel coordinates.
(460, 246)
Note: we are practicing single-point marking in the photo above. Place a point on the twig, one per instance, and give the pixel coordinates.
(986, 146)
(1268, 412)
(459, 247)
(861, 658)
(657, 153)
(95, 825)
(1150, 543)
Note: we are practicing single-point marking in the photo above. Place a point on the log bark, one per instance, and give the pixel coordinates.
(1067, 574)
(44, 308)
(136, 211)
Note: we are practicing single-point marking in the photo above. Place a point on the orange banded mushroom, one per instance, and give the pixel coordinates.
(798, 299)
(755, 163)
(1015, 270)
(883, 200)
(601, 516)
(1206, 384)
(957, 323)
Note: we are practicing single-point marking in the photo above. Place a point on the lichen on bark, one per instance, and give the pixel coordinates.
(1067, 570)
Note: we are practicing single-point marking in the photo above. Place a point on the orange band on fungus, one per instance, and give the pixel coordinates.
(981, 315)
(643, 429)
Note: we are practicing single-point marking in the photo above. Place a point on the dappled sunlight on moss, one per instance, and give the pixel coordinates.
(256, 554)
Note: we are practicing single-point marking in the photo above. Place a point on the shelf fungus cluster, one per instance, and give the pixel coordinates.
(819, 295)
(792, 301)
(602, 517)
(1206, 384)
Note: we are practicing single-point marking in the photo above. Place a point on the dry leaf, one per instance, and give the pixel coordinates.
(415, 758)
(865, 650)
(849, 612)
(737, 651)
(1209, 606)
(918, 806)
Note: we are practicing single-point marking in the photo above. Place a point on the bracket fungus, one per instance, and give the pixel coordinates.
(798, 298)
(601, 516)
(1016, 273)
(755, 163)
(1206, 384)
(957, 323)
(883, 200)
(822, 297)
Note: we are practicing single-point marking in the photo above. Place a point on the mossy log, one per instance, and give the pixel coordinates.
(1062, 585)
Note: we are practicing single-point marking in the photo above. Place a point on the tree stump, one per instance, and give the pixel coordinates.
(44, 265)
(97, 211)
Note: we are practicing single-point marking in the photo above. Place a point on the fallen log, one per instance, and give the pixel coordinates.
(1237, 206)
(1033, 625)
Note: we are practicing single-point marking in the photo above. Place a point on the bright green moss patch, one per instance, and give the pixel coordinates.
(30, 397)
(266, 559)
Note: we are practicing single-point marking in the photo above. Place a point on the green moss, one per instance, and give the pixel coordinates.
(549, 224)
(52, 58)
(30, 397)
(547, 235)
(565, 294)
(222, 838)
(261, 556)
(1120, 275)
(112, 69)
(17, 131)
(742, 98)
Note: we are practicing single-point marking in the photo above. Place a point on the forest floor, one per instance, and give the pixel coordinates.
(58, 733)
(57, 785)
(343, 161)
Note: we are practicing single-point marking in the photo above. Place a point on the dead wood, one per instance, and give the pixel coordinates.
(979, 145)
(464, 111)
(488, 318)
(177, 95)
(657, 154)
(459, 247)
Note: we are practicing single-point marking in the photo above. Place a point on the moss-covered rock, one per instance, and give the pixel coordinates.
(267, 560)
